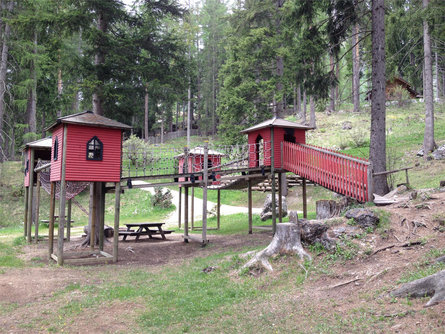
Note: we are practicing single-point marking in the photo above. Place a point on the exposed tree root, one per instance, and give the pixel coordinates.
(287, 240)
(433, 285)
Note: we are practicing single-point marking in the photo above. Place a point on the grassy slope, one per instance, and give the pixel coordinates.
(184, 299)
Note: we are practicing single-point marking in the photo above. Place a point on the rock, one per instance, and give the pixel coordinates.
(442, 184)
(346, 125)
(439, 154)
(413, 195)
(420, 153)
(314, 231)
(349, 231)
(267, 207)
(363, 217)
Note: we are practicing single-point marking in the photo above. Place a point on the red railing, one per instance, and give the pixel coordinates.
(339, 172)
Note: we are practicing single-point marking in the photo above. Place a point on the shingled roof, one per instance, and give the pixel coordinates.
(90, 119)
(45, 143)
(277, 122)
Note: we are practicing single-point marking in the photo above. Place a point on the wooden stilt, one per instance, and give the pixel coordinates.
(94, 217)
(117, 204)
(36, 229)
(249, 204)
(101, 214)
(280, 195)
(68, 221)
(30, 197)
(52, 206)
(272, 171)
(304, 199)
(218, 210)
(204, 193)
(186, 213)
(62, 201)
(179, 207)
(25, 218)
(192, 214)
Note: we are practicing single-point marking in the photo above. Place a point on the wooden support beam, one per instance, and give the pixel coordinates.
(117, 205)
(192, 214)
(272, 170)
(30, 197)
(68, 221)
(304, 199)
(280, 201)
(25, 221)
(37, 218)
(179, 207)
(204, 192)
(186, 213)
(52, 206)
(101, 213)
(218, 210)
(62, 201)
(249, 204)
(93, 216)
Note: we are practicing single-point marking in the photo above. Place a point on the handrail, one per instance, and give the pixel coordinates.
(340, 155)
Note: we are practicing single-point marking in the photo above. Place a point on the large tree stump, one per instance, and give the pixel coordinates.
(433, 285)
(287, 240)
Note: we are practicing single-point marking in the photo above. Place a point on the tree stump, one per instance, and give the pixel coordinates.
(433, 285)
(287, 240)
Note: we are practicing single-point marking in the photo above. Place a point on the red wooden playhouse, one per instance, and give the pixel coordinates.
(193, 162)
(86, 147)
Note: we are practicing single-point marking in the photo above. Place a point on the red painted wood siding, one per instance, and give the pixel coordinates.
(78, 168)
(196, 164)
(56, 166)
(341, 173)
(27, 158)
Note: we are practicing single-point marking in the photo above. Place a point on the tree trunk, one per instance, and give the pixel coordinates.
(377, 151)
(3, 69)
(279, 63)
(287, 240)
(32, 112)
(304, 107)
(189, 112)
(312, 122)
(146, 114)
(332, 90)
(428, 139)
(99, 60)
(433, 285)
(356, 68)
(298, 99)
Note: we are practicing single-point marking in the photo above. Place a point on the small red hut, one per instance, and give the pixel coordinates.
(276, 131)
(33, 151)
(195, 162)
(92, 145)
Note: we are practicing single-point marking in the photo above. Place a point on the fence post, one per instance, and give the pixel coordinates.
(370, 182)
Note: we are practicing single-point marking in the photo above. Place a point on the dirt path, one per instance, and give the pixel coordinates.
(172, 218)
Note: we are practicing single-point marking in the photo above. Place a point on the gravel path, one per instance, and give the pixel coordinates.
(172, 218)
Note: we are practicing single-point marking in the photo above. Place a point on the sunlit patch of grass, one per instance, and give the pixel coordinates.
(8, 255)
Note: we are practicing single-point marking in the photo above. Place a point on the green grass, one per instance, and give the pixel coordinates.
(9, 251)
(233, 197)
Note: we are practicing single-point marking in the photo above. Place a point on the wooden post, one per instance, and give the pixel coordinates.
(179, 207)
(25, 221)
(304, 199)
(249, 203)
(280, 201)
(370, 182)
(101, 213)
(68, 221)
(204, 193)
(93, 217)
(37, 218)
(192, 214)
(52, 206)
(407, 179)
(117, 204)
(218, 210)
(186, 213)
(272, 170)
(62, 200)
(30, 197)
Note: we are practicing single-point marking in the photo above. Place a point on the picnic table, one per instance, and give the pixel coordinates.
(144, 229)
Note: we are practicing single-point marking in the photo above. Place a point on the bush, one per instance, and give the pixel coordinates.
(137, 151)
(162, 199)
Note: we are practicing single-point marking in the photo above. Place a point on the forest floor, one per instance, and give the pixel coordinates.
(343, 292)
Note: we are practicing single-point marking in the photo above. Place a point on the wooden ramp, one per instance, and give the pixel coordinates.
(344, 174)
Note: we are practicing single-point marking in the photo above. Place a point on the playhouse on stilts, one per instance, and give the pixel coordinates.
(88, 149)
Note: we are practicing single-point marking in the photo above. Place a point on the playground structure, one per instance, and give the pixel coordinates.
(87, 148)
